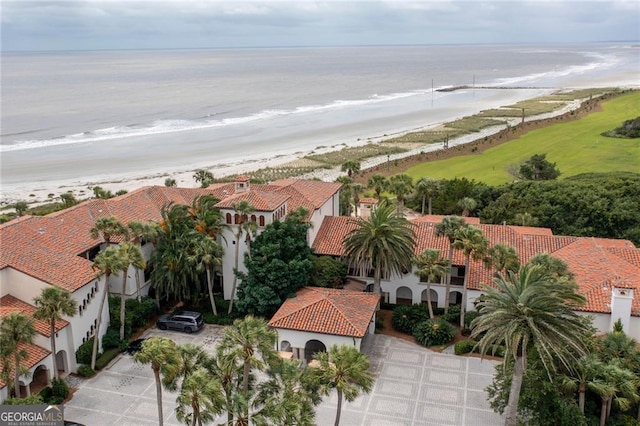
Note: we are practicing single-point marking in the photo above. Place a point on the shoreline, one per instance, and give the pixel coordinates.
(36, 194)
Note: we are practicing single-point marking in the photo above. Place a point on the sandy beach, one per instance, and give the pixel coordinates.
(39, 193)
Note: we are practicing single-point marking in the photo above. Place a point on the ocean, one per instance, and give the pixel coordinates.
(93, 115)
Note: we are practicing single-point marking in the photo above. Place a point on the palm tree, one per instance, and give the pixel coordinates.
(378, 183)
(583, 377)
(503, 257)
(200, 399)
(525, 219)
(530, 309)
(401, 185)
(431, 267)
(614, 383)
(356, 189)
(554, 266)
(16, 330)
(448, 228)
(345, 369)
(346, 194)
(252, 342)
(139, 231)
(351, 167)
(170, 182)
(242, 210)
(109, 262)
(51, 305)
(224, 367)
(206, 217)
(204, 177)
(467, 204)
(427, 189)
(132, 255)
(207, 253)
(108, 227)
(470, 240)
(163, 355)
(288, 396)
(384, 241)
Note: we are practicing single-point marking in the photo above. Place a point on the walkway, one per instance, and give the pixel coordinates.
(414, 386)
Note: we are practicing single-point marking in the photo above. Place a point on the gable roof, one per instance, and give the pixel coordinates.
(327, 311)
(35, 354)
(593, 261)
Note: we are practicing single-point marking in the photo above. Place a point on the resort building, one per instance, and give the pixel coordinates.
(57, 250)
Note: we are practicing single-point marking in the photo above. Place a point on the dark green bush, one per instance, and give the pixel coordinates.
(470, 316)
(464, 347)
(60, 388)
(141, 312)
(387, 306)
(106, 358)
(83, 354)
(328, 272)
(86, 371)
(220, 319)
(453, 316)
(434, 332)
(379, 321)
(438, 311)
(111, 339)
(405, 318)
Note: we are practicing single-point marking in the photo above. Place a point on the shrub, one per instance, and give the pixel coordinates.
(141, 312)
(60, 388)
(464, 347)
(83, 354)
(27, 400)
(86, 371)
(470, 316)
(379, 321)
(453, 315)
(405, 318)
(220, 319)
(106, 358)
(387, 306)
(328, 272)
(111, 339)
(434, 332)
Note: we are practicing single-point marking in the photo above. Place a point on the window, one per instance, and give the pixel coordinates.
(253, 218)
(261, 220)
(229, 218)
(236, 218)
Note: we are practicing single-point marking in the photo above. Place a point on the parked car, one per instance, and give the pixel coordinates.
(135, 346)
(186, 321)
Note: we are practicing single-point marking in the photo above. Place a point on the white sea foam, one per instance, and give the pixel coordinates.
(176, 125)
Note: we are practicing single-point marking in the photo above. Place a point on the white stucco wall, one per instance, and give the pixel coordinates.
(298, 339)
(82, 322)
(21, 286)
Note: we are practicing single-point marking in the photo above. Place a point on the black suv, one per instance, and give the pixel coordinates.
(186, 321)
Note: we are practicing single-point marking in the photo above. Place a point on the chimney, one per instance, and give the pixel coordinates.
(241, 184)
(621, 301)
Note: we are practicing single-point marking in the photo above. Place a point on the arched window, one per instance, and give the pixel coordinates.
(229, 218)
(253, 218)
(236, 218)
(261, 220)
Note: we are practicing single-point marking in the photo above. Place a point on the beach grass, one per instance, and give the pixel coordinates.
(474, 123)
(356, 153)
(576, 147)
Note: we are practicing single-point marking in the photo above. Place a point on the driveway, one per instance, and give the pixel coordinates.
(414, 386)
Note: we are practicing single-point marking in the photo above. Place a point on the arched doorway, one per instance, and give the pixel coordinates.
(312, 347)
(434, 297)
(455, 298)
(40, 379)
(285, 346)
(404, 296)
(61, 362)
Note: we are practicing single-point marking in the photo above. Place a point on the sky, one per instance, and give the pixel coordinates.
(155, 24)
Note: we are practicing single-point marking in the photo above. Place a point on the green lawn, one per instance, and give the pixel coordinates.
(577, 147)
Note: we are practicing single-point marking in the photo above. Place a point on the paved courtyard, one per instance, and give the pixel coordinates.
(413, 386)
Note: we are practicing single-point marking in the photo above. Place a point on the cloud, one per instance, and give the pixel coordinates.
(116, 24)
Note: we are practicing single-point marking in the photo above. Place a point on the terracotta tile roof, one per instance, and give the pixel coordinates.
(35, 354)
(317, 192)
(260, 200)
(531, 230)
(367, 200)
(435, 218)
(327, 311)
(591, 260)
(10, 304)
(47, 247)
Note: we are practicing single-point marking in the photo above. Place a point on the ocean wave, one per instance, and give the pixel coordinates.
(601, 62)
(208, 122)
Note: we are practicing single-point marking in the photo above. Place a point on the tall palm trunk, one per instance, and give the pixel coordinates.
(430, 206)
(511, 411)
(245, 377)
(339, 409)
(377, 284)
(429, 299)
(122, 302)
(448, 285)
(94, 352)
(463, 304)
(138, 289)
(603, 411)
(235, 277)
(210, 288)
(16, 372)
(424, 199)
(53, 348)
(156, 374)
(582, 390)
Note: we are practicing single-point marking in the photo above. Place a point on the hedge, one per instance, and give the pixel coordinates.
(464, 347)
(106, 358)
(434, 332)
(405, 318)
